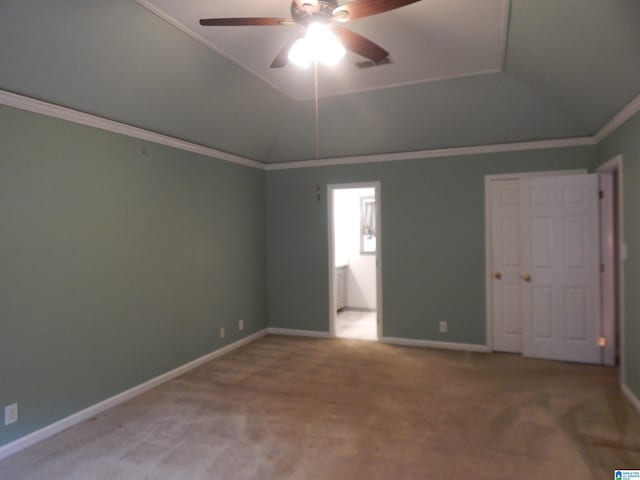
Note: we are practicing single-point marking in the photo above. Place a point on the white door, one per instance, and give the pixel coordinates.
(560, 259)
(506, 265)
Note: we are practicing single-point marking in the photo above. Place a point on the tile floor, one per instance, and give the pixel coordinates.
(355, 324)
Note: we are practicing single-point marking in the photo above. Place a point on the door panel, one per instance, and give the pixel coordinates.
(561, 302)
(507, 263)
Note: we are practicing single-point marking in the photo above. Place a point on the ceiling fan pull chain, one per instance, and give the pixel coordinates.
(317, 118)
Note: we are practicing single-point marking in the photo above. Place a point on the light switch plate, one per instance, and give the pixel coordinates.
(11, 414)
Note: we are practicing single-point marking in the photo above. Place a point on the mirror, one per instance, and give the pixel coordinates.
(368, 224)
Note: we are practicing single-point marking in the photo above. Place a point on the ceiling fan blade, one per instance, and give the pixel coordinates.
(365, 8)
(283, 55)
(361, 45)
(244, 22)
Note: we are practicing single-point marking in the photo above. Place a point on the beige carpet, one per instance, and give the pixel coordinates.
(293, 408)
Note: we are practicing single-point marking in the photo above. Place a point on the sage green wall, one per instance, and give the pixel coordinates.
(433, 240)
(120, 260)
(625, 141)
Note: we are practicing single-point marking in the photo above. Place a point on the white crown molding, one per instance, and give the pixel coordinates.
(409, 342)
(631, 397)
(44, 108)
(92, 411)
(51, 110)
(618, 120)
(446, 152)
(297, 333)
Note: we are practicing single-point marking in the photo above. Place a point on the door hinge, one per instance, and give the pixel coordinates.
(601, 194)
(602, 341)
(602, 267)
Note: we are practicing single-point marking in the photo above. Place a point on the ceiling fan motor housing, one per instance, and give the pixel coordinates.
(322, 11)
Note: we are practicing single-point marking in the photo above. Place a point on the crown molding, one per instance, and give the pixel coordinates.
(618, 119)
(51, 110)
(446, 152)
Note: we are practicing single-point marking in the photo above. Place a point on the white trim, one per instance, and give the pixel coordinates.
(616, 164)
(51, 110)
(297, 333)
(92, 411)
(200, 39)
(618, 120)
(626, 391)
(446, 152)
(488, 251)
(409, 342)
(331, 264)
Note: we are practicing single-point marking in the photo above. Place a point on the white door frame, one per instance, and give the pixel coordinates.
(615, 164)
(332, 300)
(488, 277)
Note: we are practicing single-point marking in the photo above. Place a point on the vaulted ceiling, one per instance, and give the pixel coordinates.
(568, 67)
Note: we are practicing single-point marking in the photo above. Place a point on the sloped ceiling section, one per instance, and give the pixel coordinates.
(117, 60)
(582, 55)
(570, 65)
(481, 110)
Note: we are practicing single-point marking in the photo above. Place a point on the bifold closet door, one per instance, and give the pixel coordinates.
(561, 268)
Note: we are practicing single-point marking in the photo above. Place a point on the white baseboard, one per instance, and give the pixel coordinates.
(298, 333)
(626, 391)
(92, 411)
(409, 342)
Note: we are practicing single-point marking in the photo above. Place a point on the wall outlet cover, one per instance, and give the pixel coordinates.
(11, 414)
(221, 332)
(443, 327)
(240, 324)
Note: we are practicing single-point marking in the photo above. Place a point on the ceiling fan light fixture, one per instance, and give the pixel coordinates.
(319, 43)
(300, 54)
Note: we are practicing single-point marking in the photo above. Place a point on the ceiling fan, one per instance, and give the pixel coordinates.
(324, 38)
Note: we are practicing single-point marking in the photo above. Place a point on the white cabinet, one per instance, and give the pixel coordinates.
(341, 287)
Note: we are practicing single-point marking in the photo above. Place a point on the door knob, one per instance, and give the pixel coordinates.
(497, 275)
(526, 277)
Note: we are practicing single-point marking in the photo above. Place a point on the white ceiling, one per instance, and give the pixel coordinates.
(429, 40)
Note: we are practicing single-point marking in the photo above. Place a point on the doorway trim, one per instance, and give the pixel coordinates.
(488, 237)
(331, 265)
(615, 164)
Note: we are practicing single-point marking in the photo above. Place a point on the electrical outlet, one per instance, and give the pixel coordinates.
(11, 414)
(221, 332)
(443, 327)
(240, 324)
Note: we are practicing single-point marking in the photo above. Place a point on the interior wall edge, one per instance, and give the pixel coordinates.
(635, 401)
(75, 418)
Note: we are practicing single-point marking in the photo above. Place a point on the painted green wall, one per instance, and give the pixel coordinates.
(432, 245)
(120, 260)
(625, 141)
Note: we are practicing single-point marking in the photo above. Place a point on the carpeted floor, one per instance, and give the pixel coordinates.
(296, 408)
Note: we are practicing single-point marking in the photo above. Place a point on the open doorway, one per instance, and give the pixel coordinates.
(354, 245)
